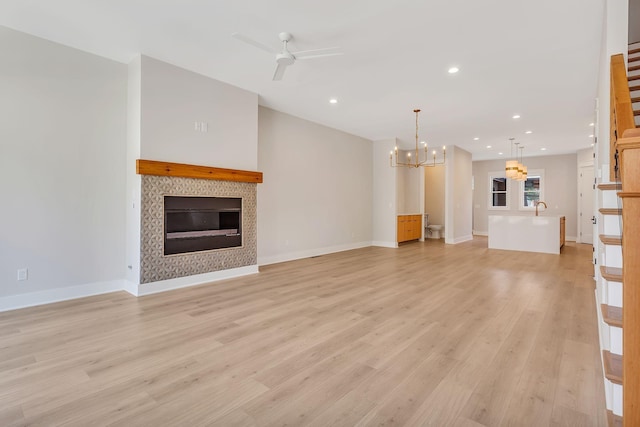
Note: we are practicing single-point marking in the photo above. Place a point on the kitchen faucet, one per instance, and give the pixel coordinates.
(538, 204)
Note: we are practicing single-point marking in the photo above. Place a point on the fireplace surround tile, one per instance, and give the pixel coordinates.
(154, 265)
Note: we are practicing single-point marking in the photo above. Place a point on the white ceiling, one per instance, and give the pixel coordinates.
(537, 58)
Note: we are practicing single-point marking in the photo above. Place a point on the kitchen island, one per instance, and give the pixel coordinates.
(526, 233)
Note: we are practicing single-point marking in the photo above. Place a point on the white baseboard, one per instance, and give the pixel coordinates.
(480, 233)
(32, 299)
(130, 287)
(384, 244)
(571, 238)
(457, 240)
(196, 279)
(14, 302)
(310, 253)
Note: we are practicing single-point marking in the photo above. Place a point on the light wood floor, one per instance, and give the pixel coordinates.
(424, 335)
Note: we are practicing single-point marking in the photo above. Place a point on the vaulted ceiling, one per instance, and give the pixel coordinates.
(537, 59)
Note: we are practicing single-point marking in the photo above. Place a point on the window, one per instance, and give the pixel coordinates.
(531, 190)
(498, 191)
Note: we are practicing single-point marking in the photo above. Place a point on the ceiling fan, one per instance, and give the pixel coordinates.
(285, 58)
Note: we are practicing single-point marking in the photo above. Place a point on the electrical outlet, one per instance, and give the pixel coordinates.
(23, 274)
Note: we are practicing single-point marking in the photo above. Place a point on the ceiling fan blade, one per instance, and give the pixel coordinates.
(320, 55)
(280, 69)
(254, 43)
(317, 52)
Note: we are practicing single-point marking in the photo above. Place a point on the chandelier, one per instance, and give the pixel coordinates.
(415, 162)
(514, 169)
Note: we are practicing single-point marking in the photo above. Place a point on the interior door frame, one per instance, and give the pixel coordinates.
(582, 165)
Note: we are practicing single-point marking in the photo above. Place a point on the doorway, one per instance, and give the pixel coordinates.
(585, 204)
(434, 192)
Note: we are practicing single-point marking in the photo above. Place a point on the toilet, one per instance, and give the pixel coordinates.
(434, 231)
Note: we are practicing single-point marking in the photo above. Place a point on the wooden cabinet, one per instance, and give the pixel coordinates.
(402, 226)
(562, 230)
(409, 227)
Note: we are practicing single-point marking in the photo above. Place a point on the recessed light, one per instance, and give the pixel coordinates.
(488, 146)
(543, 149)
(592, 144)
(592, 124)
(476, 138)
(422, 142)
(500, 154)
(516, 116)
(453, 70)
(333, 101)
(529, 132)
(591, 136)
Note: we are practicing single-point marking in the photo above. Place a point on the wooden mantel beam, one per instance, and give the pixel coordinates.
(153, 167)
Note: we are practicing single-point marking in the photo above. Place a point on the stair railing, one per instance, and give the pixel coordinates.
(625, 153)
(621, 111)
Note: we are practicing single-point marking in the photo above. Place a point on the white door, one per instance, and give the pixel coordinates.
(585, 201)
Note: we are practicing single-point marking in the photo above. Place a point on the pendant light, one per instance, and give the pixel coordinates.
(519, 170)
(524, 168)
(511, 167)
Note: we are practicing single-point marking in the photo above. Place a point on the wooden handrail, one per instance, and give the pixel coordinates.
(621, 109)
(629, 148)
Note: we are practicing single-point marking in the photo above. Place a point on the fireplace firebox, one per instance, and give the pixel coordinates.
(193, 224)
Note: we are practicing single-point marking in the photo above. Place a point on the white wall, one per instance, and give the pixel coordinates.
(584, 156)
(413, 199)
(164, 102)
(384, 195)
(408, 187)
(317, 192)
(434, 194)
(458, 196)
(401, 186)
(173, 99)
(560, 190)
(615, 40)
(62, 168)
(134, 98)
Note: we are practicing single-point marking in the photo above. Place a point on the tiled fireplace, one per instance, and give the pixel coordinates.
(155, 265)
